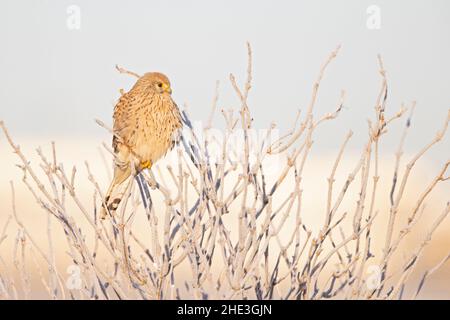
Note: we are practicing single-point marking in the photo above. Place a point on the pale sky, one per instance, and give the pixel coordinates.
(54, 81)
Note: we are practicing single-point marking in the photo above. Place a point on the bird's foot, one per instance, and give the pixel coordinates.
(146, 164)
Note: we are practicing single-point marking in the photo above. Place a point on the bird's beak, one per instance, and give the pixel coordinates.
(167, 88)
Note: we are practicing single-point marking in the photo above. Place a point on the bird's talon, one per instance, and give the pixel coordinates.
(146, 164)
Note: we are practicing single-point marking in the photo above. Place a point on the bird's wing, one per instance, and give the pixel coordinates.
(176, 134)
(124, 115)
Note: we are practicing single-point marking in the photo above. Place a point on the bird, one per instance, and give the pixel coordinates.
(146, 125)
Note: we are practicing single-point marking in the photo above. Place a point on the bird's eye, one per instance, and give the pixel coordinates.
(160, 84)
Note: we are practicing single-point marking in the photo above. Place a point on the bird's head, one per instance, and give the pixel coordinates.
(158, 82)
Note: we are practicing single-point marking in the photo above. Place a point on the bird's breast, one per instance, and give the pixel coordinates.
(156, 123)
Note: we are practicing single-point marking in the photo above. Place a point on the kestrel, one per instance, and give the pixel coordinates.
(147, 124)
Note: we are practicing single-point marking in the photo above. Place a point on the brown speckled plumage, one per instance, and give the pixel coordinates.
(147, 124)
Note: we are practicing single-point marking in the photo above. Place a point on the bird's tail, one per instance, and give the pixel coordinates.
(114, 194)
